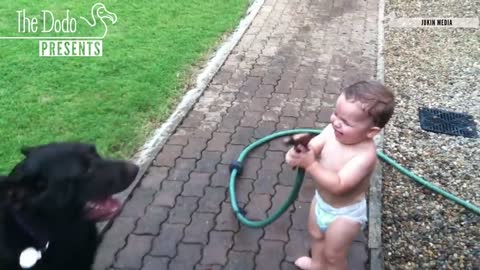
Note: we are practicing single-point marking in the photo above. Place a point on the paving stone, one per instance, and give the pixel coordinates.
(196, 185)
(186, 164)
(218, 245)
(264, 129)
(205, 130)
(273, 160)
(251, 118)
(251, 84)
(284, 86)
(137, 247)
(180, 137)
(194, 148)
(271, 254)
(154, 177)
(297, 94)
(243, 188)
(165, 244)
(279, 229)
(258, 105)
(258, 71)
(286, 123)
(267, 179)
(168, 194)
(168, 155)
(247, 239)
(187, 257)
(298, 245)
(250, 167)
(197, 231)
(324, 115)
(313, 104)
(240, 260)
(232, 153)
(226, 220)
(192, 119)
(307, 120)
(287, 176)
(155, 263)
(288, 266)
(258, 152)
(182, 212)
(243, 136)
(113, 240)
(231, 120)
(177, 174)
(219, 141)
(258, 205)
(208, 162)
(278, 144)
(150, 223)
(209, 267)
(212, 200)
(271, 116)
(137, 204)
(221, 177)
(277, 101)
(307, 190)
(333, 87)
(214, 115)
(265, 90)
(300, 215)
(291, 110)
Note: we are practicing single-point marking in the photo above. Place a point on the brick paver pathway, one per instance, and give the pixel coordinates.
(285, 73)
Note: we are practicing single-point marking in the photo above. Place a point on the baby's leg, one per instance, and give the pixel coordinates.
(317, 243)
(338, 240)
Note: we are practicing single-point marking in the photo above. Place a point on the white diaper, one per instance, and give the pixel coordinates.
(326, 214)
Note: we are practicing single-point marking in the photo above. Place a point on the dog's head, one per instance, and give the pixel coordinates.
(60, 179)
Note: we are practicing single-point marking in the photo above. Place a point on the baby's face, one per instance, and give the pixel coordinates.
(351, 123)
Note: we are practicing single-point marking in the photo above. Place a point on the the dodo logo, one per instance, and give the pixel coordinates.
(58, 36)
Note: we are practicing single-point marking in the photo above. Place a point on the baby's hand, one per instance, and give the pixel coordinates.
(299, 139)
(303, 158)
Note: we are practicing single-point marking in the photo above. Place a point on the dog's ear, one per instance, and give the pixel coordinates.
(27, 150)
(92, 149)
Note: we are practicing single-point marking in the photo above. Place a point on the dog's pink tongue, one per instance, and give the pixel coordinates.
(102, 210)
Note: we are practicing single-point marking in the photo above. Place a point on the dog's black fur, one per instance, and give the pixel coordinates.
(43, 199)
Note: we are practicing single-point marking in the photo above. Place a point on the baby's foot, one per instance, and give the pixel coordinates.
(304, 263)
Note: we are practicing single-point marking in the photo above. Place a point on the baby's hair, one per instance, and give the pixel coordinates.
(377, 99)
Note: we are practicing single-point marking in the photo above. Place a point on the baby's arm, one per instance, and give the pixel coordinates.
(347, 178)
(317, 143)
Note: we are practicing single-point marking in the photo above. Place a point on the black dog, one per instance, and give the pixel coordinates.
(49, 204)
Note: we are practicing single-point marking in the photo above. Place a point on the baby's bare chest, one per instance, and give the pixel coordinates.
(335, 155)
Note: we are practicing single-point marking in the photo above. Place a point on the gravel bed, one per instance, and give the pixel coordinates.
(436, 68)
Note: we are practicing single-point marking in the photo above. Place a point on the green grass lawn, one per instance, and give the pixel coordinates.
(114, 100)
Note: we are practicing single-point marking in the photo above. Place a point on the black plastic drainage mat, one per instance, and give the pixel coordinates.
(446, 122)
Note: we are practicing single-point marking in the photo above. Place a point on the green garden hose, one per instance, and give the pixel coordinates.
(237, 166)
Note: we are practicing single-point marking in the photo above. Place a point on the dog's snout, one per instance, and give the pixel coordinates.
(132, 169)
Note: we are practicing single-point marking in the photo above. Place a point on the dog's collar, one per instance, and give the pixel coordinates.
(30, 255)
(39, 239)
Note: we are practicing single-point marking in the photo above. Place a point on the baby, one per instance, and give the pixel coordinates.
(341, 160)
